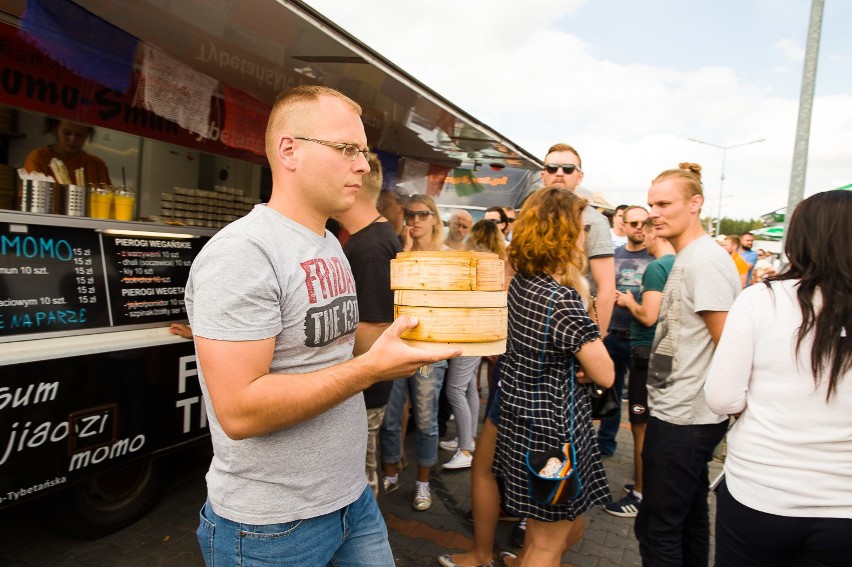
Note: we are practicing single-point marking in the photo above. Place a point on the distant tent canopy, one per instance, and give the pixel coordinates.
(769, 233)
(777, 216)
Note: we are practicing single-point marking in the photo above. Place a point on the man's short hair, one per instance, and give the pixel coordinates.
(631, 207)
(565, 148)
(461, 213)
(620, 208)
(733, 238)
(371, 183)
(395, 193)
(288, 112)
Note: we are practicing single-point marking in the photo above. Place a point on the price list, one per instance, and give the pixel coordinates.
(147, 277)
(51, 279)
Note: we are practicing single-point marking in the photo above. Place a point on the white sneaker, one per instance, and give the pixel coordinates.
(453, 445)
(422, 497)
(459, 461)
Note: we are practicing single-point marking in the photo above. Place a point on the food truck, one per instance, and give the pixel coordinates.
(94, 389)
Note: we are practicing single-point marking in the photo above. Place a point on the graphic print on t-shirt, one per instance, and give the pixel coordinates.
(668, 330)
(331, 290)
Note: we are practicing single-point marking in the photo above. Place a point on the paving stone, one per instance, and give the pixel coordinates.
(166, 536)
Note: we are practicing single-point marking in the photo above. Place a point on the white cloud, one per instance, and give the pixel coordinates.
(792, 50)
(510, 67)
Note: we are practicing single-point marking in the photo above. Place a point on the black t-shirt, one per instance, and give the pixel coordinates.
(369, 252)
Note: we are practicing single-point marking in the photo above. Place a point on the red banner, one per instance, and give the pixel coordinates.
(32, 81)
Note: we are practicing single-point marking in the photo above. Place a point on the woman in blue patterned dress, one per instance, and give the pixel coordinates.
(535, 373)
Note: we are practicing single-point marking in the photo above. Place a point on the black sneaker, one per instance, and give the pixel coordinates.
(627, 507)
(519, 533)
(628, 488)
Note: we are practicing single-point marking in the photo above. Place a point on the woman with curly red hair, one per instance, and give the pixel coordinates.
(550, 337)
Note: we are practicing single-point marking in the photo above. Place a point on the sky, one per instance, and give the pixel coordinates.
(627, 82)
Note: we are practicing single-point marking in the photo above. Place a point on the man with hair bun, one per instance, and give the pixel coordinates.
(673, 524)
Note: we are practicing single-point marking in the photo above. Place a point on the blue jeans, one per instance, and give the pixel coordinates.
(673, 524)
(353, 536)
(619, 352)
(423, 393)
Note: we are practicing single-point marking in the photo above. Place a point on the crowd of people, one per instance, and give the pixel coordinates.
(289, 337)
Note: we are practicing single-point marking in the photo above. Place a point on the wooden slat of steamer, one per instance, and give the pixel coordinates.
(455, 324)
(447, 270)
(468, 349)
(431, 298)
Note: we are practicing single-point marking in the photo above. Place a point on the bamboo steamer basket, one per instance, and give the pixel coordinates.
(457, 297)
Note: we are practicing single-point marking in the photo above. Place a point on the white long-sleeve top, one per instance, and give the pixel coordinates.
(790, 453)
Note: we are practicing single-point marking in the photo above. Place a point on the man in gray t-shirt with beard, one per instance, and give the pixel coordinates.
(273, 309)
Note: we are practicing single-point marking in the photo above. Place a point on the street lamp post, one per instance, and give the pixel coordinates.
(722, 179)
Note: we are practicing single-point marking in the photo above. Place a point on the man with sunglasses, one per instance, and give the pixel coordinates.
(272, 304)
(563, 168)
(630, 263)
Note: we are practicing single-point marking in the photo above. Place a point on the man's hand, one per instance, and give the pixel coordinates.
(390, 358)
(624, 299)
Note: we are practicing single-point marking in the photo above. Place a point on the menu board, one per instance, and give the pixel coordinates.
(146, 277)
(69, 279)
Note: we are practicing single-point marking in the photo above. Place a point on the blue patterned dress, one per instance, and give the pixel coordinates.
(535, 397)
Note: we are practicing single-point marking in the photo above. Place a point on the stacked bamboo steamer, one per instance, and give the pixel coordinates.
(457, 297)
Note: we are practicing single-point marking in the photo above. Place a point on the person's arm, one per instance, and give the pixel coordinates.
(648, 312)
(181, 330)
(596, 363)
(743, 279)
(726, 387)
(36, 161)
(249, 401)
(407, 239)
(602, 270)
(366, 334)
(715, 323)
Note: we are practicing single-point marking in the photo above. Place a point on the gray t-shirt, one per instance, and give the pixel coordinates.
(703, 278)
(267, 276)
(598, 240)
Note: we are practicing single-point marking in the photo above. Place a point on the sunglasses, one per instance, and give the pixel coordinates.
(635, 224)
(419, 215)
(552, 168)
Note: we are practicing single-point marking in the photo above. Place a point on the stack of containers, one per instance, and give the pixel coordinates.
(457, 297)
(197, 207)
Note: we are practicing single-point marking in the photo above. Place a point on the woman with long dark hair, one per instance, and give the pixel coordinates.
(784, 363)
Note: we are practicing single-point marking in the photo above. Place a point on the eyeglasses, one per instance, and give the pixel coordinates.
(420, 215)
(568, 168)
(349, 151)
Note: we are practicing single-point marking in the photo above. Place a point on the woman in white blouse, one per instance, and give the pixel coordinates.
(784, 363)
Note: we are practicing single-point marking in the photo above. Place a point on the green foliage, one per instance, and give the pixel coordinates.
(732, 226)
